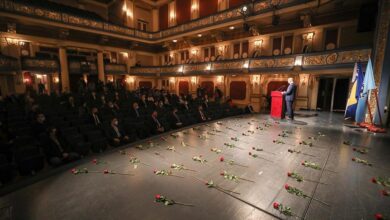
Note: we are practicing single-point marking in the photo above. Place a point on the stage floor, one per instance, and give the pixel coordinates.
(348, 191)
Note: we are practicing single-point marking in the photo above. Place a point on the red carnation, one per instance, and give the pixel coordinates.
(250, 153)
(222, 173)
(303, 163)
(221, 159)
(276, 205)
(94, 161)
(105, 171)
(378, 216)
(158, 196)
(289, 174)
(274, 141)
(154, 171)
(353, 159)
(354, 149)
(385, 192)
(300, 142)
(287, 186)
(74, 170)
(373, 180)
(253, 148)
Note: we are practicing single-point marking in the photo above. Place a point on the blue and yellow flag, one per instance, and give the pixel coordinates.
(356, 90)
(368, 85)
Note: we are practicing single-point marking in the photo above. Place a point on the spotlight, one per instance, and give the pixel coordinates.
(199, 35)
(231, 27)
(174, 41)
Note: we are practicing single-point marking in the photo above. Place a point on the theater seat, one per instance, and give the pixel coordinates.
(29, 160)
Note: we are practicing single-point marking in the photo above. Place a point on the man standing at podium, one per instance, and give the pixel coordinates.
(290, 97)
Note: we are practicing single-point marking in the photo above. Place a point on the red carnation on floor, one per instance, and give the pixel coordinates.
(94, 161)
(222, 173)
(354, 149)
(253, 148)
(373, 180)
(276, 205)
(274, 141)
(221, 159)
(250, 153)
(385, 192)
(353, 159)
(287, 186)
(105, 171)
(158, 196)
(378, 216)
(288, 174)
(303, 162)
(74, 170)
(154, 171)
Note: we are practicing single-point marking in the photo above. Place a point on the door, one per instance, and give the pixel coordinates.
(324, 100)
(341, 94)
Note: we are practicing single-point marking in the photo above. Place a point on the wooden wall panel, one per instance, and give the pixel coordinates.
(183, 11)
(145, 84)
(238, 90)
(163, 17)
(236, 3)
(184, 87)
(207, 7)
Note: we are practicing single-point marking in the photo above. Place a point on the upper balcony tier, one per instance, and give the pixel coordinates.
(299, 62)
(43, 15)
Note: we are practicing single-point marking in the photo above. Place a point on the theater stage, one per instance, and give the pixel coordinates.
(348, 189)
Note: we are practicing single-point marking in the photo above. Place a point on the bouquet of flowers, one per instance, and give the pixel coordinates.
(362, 151)
(199, 159)
(180, 167)
(285, 210)
(162, 199)
(233, 177)
(381, 181)
(358, 160)
(165, 173)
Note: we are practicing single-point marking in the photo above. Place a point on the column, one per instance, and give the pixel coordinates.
(100, 65)
(64, 70)
(155, 19)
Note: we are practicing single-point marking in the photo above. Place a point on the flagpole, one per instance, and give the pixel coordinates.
(377, 105)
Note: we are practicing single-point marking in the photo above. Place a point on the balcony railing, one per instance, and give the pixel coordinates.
(311, 61)
(8, 64)
(44, 65)
(25, 9)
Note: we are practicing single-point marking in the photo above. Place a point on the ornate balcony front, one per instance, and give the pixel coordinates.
(304, 62)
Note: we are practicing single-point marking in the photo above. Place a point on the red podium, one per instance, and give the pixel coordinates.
(277, 105)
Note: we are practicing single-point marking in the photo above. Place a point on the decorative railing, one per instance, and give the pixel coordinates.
(40, 65)
(25, 9)
(80, 67)
(113, 68)
(319, 60)
(8, 64)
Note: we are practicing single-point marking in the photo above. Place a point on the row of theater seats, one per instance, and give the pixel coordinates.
(26, 155)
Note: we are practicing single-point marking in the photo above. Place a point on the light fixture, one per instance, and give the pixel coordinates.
(193, 80)
(180, 70)
(310, 35)
(199, 35)
(245, 8)
(298, 60)
(174, 41)
(124, 8)
(245, 65)
(219, 79)
(258, 43)
(194, 52)
(255, 80)
(231, 27)
(130, 79)
(208, 67)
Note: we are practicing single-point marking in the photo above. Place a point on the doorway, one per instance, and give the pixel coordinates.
(341, 94)
(332, 94)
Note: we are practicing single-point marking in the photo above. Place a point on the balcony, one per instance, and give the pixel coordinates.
(304, 62)
(8, 64)
(11, 8)
(43, 65)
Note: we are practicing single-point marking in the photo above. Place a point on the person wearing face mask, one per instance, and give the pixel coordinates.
(116, 133)
(57, 152)
(40, 125)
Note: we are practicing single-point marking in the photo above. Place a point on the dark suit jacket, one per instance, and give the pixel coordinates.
(290, 93)
(173, 120)
(52, 149)
(112, 134)
(91, 119)
(199, 116)
(153, 125)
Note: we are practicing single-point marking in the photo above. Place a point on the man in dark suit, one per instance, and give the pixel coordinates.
(56, 151)
(175, 119)
(116, 133)
(94, 117)
(201, 115)
(289, 95)
(155, 123)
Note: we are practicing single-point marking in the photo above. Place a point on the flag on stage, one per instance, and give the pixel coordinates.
(357, 80)
(368, 85)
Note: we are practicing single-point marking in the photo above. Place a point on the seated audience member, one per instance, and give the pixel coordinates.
(71, 105)
(249, 109)
(185, 107)
(56, 151)
(205, 102)
(175, 119)
(116, 133)
(135, 111)
(202, 116)
(39, 126)
(155, 124)
(144, 102)
(111, 109)
(94, 117)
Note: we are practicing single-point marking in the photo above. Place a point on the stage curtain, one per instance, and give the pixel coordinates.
(163, 17)
(238, 90)
(183, 11)
(207, 7)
